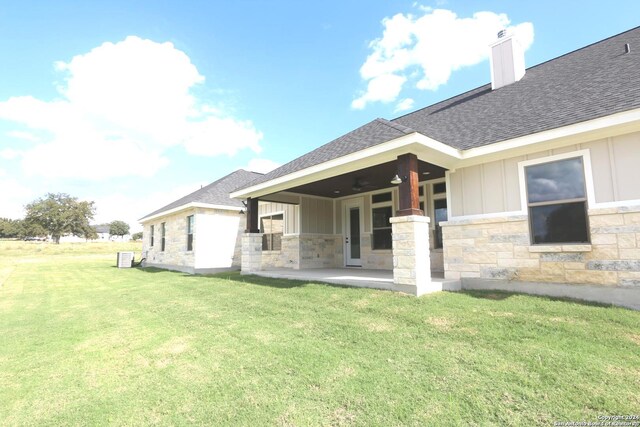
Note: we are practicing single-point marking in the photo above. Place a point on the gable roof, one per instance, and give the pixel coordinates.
(589, 83)
(102, 228)
(216, 193)
(373, 133)
(592, 82)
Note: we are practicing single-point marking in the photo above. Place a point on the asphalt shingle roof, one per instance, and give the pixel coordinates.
(373, 133)
(592, 82)
(216, 193)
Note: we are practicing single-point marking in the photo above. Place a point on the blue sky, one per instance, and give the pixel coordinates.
(133, 104)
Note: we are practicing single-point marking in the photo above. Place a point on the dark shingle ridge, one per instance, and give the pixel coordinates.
(216, 193)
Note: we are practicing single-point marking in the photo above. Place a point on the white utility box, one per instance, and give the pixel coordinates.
(125, 259)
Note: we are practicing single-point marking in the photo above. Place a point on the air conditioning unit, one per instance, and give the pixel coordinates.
(125, 259)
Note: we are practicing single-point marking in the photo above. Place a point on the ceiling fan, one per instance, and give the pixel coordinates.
(360, 183)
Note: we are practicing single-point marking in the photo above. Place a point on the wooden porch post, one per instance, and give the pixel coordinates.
(409, 197)
(252, 216)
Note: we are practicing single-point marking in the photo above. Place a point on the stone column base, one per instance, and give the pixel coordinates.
(411, 266)
(251, 258)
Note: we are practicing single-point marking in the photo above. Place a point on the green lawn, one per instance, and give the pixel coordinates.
(85, 343)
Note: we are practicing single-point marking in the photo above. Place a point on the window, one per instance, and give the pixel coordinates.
(190, 233)
(440, 188)
(162, 236)
(440, 215)
(557, 202)
(153, 227)
(381, 198)
(381, 211)
(272, 227)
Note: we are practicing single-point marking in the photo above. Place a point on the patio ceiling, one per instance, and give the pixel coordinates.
(373, 178)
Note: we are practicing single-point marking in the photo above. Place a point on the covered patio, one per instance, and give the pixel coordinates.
(363, 278)
(369, 190)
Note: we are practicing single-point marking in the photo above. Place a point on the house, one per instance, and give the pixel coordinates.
(102, 230)
(529, 183)
(198, 233)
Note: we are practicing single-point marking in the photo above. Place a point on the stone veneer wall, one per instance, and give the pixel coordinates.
(318, 251)
(303, 251)
(175, 255)
(251, 253)
(374, 260)
(499, 248)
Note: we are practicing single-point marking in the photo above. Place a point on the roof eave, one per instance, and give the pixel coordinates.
(187, 206)
(589, 130)
(426, 148)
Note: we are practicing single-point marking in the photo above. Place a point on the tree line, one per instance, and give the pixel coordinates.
(57, 215)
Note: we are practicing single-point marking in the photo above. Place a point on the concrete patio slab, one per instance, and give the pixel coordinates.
(364, 278)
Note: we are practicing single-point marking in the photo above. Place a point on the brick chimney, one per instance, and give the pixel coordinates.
(507, 60)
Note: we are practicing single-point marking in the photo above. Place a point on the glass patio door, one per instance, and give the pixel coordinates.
(352, 221)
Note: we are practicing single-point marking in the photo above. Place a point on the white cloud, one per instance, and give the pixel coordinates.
(261, 165)
(130, 209)
(383, 87)
(14, 196)
(123, 104)
(27, 136)
(404, 105)
(9, 154)
(428, 48)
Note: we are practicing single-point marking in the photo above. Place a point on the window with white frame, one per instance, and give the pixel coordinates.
(556, 199)
(440, 212)
(381, 212)
(437, 208)
(272, 228)
(190, 233)
(152, 230)
(163, 229)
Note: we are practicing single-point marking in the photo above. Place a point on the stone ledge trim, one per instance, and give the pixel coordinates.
(488, 220)
(559, 248)
(409, 218)
(614, 265)
(615, 210)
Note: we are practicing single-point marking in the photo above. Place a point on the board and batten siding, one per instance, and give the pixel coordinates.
(494, 187)
(291, 214)
(316, 215)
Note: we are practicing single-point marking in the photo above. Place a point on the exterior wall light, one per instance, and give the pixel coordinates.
(397, 180)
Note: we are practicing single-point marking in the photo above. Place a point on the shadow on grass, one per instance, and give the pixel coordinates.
(280, 283)
(273, 282)
(497, 295)
(235, 276)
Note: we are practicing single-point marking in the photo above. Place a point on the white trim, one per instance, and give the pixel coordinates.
(454, 219)
(627, 121)
(191, 205)
(389, 203)
(333, 219)
(447, 180)
(612, 165)
(346, 205)
(428, 148)
(618, 204)
(284, 227)
(588, 174)
(433, 197)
